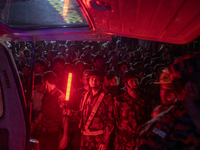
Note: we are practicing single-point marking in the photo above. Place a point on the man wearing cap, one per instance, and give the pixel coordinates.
(179, 126)
(167, 93)
(97, 121)
(129, 112)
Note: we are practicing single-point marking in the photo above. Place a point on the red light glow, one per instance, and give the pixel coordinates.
(68, 86)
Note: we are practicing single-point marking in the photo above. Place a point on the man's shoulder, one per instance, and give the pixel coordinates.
(156, 129)
(121, 97)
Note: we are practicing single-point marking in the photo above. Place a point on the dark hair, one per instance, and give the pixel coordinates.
(157, 67)
(97, 57)
(130, 74)
(27, 51)
(51, 77)
(121, 63)
(40, 61)
(95, 72)
(111, 74)
(60, 59)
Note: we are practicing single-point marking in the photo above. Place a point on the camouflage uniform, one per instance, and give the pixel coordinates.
(129, 114)
(102, 120)
(172, 129)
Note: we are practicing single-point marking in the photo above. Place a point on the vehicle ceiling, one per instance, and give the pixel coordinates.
(170, 21)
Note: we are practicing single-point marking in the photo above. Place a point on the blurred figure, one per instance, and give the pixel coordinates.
(58, 69)
(39, 66)
(99, 63)
(25, 78)
(178, 127)
(38, 95)
(51, 113)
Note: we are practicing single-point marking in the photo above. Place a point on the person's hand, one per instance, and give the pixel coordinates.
(102, 147)
(62, 98)
(66, 112)
(63, 142)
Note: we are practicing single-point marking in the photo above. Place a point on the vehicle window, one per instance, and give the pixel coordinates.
(29, 14)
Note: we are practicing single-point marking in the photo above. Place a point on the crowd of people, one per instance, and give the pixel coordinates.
(117, 88)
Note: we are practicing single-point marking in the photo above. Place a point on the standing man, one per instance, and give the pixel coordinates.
(72, 134)
(129, 112)
(179, 126)
(97, 122)
(51, 113)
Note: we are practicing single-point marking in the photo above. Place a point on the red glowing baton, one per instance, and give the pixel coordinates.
(68, 86)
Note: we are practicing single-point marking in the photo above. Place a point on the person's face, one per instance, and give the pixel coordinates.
(80, 67)
(160, 70)
(84, 79)
(132, 83)
(26, 71)
(38, 88)
(58, 66)
(94, 81)
(27, 54)
(38, 68)
(99, 64)
(167, 94)
(114, 81)
(124, 68)
(46, 86)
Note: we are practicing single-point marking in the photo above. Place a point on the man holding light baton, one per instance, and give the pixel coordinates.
(97, 121)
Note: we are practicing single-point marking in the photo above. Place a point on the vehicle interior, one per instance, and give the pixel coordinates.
(173, 22)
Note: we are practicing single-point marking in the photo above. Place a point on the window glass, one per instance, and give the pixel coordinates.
(39, 14)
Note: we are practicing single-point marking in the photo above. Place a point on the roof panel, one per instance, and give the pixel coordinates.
(171, 21)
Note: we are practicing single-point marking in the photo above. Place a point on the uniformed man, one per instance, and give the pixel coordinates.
(97, 121)
(129, 112)
(179, 126)
(167, 93)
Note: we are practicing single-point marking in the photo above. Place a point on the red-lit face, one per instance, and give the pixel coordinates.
(114, 81)
(58, 66)
(99, 64)
(94, 81)
(84, 79)
(132, 83)
(167, 94)
(124, 68)
(26, 71)
(46, 86)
